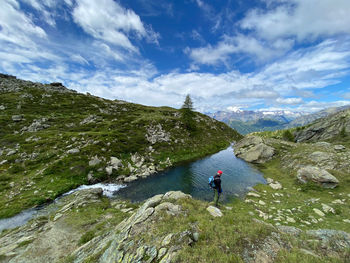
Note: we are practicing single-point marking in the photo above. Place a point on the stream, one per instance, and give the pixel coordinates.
(190, 178)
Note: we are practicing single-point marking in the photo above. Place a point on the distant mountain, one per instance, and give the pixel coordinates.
(254, 121)
(306, 119)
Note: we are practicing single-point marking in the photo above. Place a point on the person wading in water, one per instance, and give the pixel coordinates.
(215, 183)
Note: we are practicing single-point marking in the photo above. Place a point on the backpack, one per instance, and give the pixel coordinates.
(211, 182)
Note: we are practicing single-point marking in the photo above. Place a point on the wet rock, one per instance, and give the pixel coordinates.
(130, 179)
(317, 175)
(214, 211)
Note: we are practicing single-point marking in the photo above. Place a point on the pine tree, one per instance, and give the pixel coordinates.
(188, 115)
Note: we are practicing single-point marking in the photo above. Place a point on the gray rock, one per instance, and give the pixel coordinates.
(319, 157)
(253, 149)
(17, 118)
(130, 179)
(11, 152)
(73, 151)
(317, 175)
(214, 211)
(170, 208)
(94, 161)
(175, 195)
(195, 236)
(115, 162)
(339, 147)
(291, 230)
(109, 170)
(276, 185)
(2, 107)
(323, 144)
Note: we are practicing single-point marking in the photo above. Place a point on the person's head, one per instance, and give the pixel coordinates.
(219, 173)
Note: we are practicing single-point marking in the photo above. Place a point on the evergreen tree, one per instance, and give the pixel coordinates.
(188, 115)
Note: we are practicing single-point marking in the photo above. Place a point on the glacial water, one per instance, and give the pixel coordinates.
(190, 178)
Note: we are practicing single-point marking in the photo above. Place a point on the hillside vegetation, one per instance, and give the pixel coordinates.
(53, 139)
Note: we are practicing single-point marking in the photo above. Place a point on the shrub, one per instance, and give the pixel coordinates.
(288, 136)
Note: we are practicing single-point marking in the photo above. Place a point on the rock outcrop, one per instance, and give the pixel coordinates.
(50, 239)
(317, 175)
(326, 128)
(254, 149)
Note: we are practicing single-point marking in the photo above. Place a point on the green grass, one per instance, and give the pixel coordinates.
(41, 170)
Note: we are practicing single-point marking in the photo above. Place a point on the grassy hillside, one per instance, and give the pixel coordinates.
(49, 134)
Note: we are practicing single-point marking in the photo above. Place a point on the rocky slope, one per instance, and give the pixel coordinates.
(53, 139)
(332, 127)
(171, 227)
(308, 182)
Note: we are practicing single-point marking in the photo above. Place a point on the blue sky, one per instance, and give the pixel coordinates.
(261, 55)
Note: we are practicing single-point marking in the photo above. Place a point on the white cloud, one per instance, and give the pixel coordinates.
(289, 101)
(16, 27)
(240, 44)
(346, 95)
(107, 20)
(305, 20)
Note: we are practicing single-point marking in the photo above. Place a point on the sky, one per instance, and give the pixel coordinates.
(227, 54)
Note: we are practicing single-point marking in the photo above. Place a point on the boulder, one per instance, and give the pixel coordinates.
(214, 211)
(254, 150)
(94, 161)
(175, 195)
(115, 162)
(130, 179)
(317, 175)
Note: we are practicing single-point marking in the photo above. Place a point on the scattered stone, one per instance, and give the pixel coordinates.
(155, 133)
(318, 212)
(327, 209)
(338, 201)
(73, 151)
(195, 236)
(276, 185)
(214, 211)
(115, 162)
(17, 118)
(269, 180)
(2, 107)
(11, 152)
(261, 202)
(317, 175)
(323, 144)
(346, 220)
(3, 162)
(253, 194)
(290, 219)
(339, 147)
